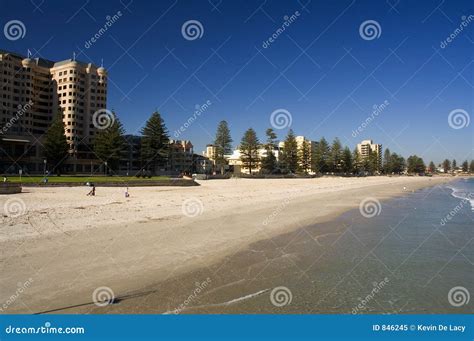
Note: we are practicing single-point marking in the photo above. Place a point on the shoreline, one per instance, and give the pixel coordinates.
(130, 256)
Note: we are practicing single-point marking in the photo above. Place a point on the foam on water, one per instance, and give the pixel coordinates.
(463, 194)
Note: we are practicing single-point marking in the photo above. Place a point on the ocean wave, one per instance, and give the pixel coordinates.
(223, 304)
(463, 194)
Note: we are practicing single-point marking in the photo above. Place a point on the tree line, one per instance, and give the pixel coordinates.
(317, 156)
(110, 143)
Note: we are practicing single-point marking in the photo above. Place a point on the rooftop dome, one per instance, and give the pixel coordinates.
(27, 62)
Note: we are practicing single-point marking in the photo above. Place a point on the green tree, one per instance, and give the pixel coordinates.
(446, 166)
(223, 143)
(321, 157)
(454, 165)
(387, 165)
(432, 167)
(289, 153)
(465, 166)
(356, 161)
(398, 163)
(347, 164)
(56, 147)
(372, 163)
(415, 164)
(471, 167)
(109, 144)
(249, 146)
(269, 162)
(304, 157)
(155, 143)
(335, 156)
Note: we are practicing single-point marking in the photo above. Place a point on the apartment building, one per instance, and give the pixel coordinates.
(32, 92)
(368, 147)
(181, 156)
(211, 152)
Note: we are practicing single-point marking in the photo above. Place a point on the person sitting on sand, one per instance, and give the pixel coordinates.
(92, 191)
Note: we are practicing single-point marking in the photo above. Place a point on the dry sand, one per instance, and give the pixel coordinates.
(67, 244)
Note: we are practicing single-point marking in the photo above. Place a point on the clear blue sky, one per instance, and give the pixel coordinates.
(320, 69)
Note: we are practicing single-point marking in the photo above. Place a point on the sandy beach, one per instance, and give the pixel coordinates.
(66, 244)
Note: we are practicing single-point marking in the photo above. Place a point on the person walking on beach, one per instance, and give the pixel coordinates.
(92, 191)
(126, 193)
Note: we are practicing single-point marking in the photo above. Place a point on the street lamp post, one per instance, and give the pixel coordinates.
(44, 166)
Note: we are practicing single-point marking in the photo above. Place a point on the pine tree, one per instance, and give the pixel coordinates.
(356, 162)
(432, 167)
(415, 164)
(289, 153)
(56, 147)
(249, 146)
(465, 166)
(387, 166)
(398, 163)
(471, 167)
(321, 157)
(347, 164)
(446, 166)
(454, 165)
(335, 156)
(223, 143)
(304, 157)
(109, 144)
(371, 164)
(155, 143)
(269, 162)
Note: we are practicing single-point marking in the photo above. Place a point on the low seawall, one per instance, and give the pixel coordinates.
(10, 188)
(137, 183)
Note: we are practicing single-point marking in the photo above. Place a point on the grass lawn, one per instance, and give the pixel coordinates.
(82, 179)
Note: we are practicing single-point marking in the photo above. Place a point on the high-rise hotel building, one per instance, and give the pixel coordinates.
(32, 92)
(368, 147)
